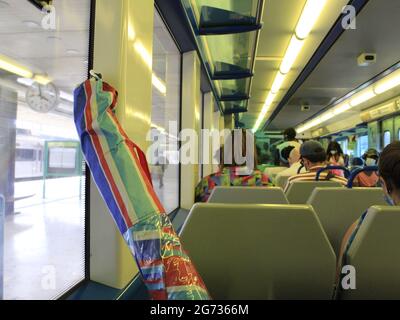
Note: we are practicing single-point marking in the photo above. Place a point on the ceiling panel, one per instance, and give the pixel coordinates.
(338, 73)
(280, 19)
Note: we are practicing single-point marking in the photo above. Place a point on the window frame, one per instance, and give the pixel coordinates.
(86, 279)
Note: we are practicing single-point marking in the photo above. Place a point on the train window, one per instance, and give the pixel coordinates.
(44, 240)
(164, 161)
(386, 138)
(345, 145)
(25, 155)
(362, 145)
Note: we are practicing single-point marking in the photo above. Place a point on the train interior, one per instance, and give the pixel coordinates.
(329, 69)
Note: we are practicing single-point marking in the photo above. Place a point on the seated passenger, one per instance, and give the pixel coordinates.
(335, 157)
(313, 157)
(230, 175)
(368, 179)
(356, 163)
(389, 172)
(292, 154)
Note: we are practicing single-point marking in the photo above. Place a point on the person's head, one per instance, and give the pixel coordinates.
(334, 150)
(290, 134)
(312, 154)
(294, 156)
(389, 171)
(285, 153)
(371, 157)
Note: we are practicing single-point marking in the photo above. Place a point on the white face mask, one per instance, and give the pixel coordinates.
(370, 162)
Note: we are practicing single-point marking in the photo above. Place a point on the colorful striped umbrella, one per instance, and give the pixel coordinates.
(121, 173)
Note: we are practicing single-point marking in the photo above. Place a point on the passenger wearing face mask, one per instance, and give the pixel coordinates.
(368, 179)
(335, 157)
(313, 158)
(389, 172)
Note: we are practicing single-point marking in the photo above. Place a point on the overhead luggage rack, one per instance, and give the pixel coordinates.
(228, 71)
(219, 21)
(226, 36)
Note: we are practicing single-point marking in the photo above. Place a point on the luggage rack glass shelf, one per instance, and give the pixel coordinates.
(226, 34)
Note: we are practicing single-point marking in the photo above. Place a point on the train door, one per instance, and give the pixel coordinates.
(397, 128)
(387, 132)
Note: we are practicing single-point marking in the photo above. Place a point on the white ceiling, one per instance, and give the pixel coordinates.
(62, 54)
(338, 73)
(280, 19)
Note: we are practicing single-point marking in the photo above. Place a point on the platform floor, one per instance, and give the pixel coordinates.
(44, 240)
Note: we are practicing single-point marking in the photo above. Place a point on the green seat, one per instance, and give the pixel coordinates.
(260, 251)
(375, 255)
(248, 195)
(272, 172)
(281, 181)
(300, 191)
(339, 208)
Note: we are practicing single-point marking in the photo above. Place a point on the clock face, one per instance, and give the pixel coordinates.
(42, 98)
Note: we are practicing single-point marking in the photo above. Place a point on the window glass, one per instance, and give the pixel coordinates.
(398, 135)
(41, 169)
(345, 145)
(386, 138)
(362, 145)
(164, 160)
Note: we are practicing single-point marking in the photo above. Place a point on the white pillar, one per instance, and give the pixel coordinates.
(190, 120)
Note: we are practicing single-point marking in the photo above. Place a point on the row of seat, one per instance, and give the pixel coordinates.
(298, 193)
(250, 243)
(336, 207)
(282, 252)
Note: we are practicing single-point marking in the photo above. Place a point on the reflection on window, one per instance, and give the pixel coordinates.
(42, 174)
(386, 138)
(164, 161)
(345, 145)
(362, 145)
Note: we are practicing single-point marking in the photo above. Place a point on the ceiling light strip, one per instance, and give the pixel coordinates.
(389, 82)
(309, 16)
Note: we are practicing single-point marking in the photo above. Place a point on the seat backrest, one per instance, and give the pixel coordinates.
(271, 172)
(339, 208)
(260, 251)
(281, 181)
(375, 255)
(300, 191)
(248, 195)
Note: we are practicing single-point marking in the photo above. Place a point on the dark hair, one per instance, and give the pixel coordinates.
(389, 166)
(334, 146)
(290, 134)
(285, 152)
(318, 156)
